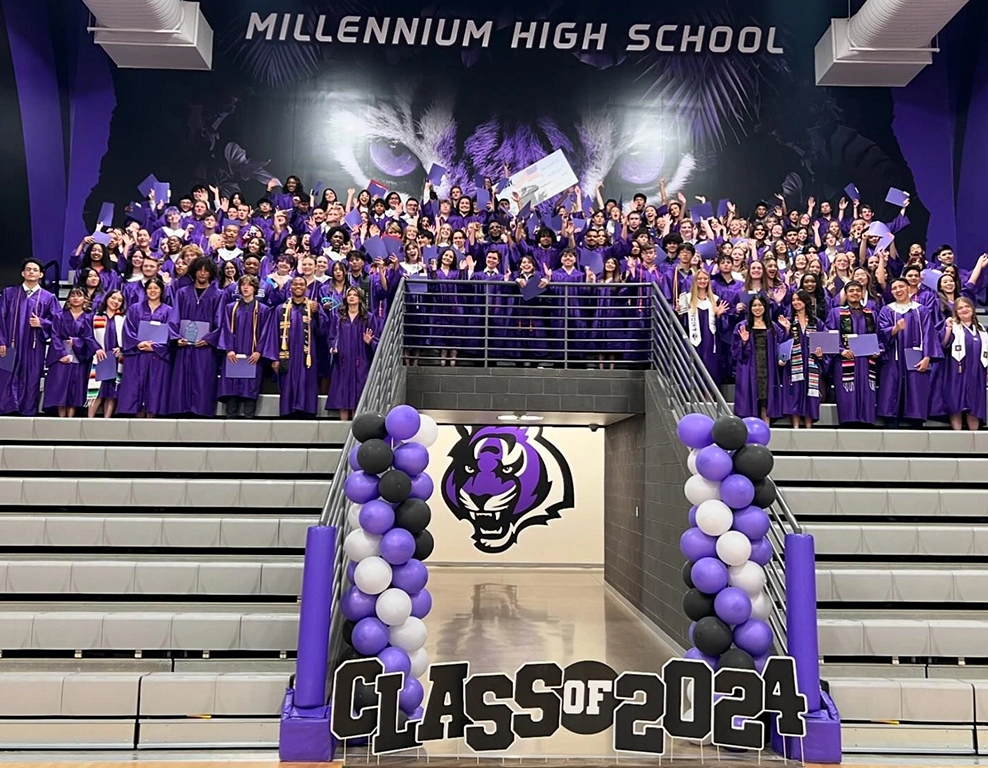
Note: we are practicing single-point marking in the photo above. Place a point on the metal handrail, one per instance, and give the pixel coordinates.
(689, 388)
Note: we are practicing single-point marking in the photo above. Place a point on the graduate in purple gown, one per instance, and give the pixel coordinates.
(854, 378)
(299, 324)
(353, 338)
(70, 355)
(95, 258)
(611, 319)
(648, 272)
(27, 312)
(568, 322)
(526, 331)
(965, 369)
(491, 303)
(757, 377)
(446, 307)
(147, 373)
(704, 317)
(904, 390)
(194, 371)
(802, 375)
(247, 337)
(108, 327)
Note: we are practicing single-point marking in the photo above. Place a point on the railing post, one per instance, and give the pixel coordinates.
(565, 328)
(488, 287)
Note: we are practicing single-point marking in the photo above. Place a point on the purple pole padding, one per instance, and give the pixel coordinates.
(314, 615)
(822, 742)
(801, 625)
(304, 735)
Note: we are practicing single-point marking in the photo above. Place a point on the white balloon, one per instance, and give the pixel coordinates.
(393, 606)
(733, 547)
(420, 662)
(359, 545)
(372, 575)
(699, 489)
(749, 576)
(409, 636)
(353, 516)
(714, 517)
(428, 431)
(691, 461)
(761, 606)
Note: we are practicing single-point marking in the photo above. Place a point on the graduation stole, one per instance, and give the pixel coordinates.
(958, 348)
(812, 376)
(693, 318)
(99, 333)
(286, 324)
(847, 366)
(233, 323)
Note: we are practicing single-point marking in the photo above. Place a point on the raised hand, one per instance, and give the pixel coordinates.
(368, 336)
(743, 334)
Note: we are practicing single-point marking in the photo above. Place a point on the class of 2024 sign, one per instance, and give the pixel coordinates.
(491, 711)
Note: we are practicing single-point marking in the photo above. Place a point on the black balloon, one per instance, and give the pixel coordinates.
(730, 432)
(697, 605)
(348, 654)
(712, 636)
(348, 631)
(765, 493)
(688, 574)
(395, 486)
(369, 426)
(735, 658)
(413, 515)
(754, 462)
(424, 544)
(374, 456)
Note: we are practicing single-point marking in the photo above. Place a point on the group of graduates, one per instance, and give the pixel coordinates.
(311, 278)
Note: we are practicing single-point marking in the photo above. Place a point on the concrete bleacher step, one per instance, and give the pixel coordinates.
(868, 502)
(893, 583)
(921, 540)
(891, 634)
(847, 468)
(871, 442)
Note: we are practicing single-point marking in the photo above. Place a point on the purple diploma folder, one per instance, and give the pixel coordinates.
(483, 198)
(913, 356)
(376, 189)
(722, 208)
(147, 185)
(701, 211)
(931, 278)
(531, 289)
(376, 248)
(828, 341)
(416, 285)
(103, 238)
(785, 351)
(240, 369)
(354, 218)
(436, 173)
(107, 369)
(8, 361)
(863, 345)
(897, 197)
(153, 331)
(591, 259)
(105, 215)
(852, 192)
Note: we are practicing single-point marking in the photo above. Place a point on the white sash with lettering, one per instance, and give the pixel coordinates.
(959, 345)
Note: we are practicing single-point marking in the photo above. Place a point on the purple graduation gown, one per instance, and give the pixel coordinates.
(965, 382)
(298, 379)
(707, 349)
(857, 399)
(20, 389)
(567, 318)
(494, 301)
(901, 392)
(446, 309)
(797, 399)
(194, 372)
(66, 383)
(352, 360)
(108, 389)
(146, 378)
(237, 334)
(611, 320)
(746, 363)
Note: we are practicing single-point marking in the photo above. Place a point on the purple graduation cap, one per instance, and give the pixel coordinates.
(587, 206)
(707, 250)
(878, 229)
(436, 173)
(354, 218)
(852, 192)
(662, 210)
(147, 185)
(722, 208)
(483, 198)
(591, 259)
(525, 212)
(376, 248)
(885, 242)
(376, 189)
(701, 212)
(556, 223)
(897, 197)
(105, 215)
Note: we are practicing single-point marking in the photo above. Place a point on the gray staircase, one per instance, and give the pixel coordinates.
(149, 577)
(900, 519)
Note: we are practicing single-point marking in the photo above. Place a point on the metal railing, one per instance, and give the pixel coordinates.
(689, 388)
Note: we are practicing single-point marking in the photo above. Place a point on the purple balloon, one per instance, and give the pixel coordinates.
(714, 463)
(410, 696)
(753, 636)
(411, 458)
(370, 636)
(356, 605)
(395, 660)
(410, 577)
(360, 487)
(377, 517)
(760, 663)
(709, 575)
(736, 491)
(418, 714)
(732, 606)
(692, 516)
(352, 460)
(397, 546)
(690, 633)
(695, 654)
(758, 431)
(421, 603)
(350, 570)
(761, 551)
(753, 522)
(422, 487)
(402, 422)
(695, 545)
(695, 430)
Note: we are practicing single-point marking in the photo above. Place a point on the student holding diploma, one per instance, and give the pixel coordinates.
(149, 329)
(906, 332)
(247, 336)
(855, 371)
(801, 373)
(965, 369)
(353, 338)
(70, 355)
(193, 385)
(108, 325)
(757, 377)
(27, 312)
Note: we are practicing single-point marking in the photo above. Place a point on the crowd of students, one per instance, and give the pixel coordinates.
(195, 302)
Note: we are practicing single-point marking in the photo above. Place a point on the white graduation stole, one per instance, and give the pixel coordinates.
(693, 318)
(959, 346)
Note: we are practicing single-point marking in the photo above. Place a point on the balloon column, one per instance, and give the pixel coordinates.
(387, 545)
(726, 545)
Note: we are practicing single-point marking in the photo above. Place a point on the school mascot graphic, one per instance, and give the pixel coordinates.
(504, 479)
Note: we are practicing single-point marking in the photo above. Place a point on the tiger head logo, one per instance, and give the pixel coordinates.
(504, 479)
